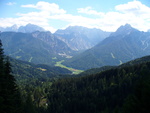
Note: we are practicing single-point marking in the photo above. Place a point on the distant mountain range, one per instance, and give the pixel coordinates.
(79, 47)
(29, 28)
(81, 38)
(31, 43)
(76, 37)
(125, 44)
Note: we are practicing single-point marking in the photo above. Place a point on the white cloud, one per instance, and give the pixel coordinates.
(89, 11)
(41, 17)
(135, 7)
(10, 3)
(46, 6)
(137, 13)
(134, 13)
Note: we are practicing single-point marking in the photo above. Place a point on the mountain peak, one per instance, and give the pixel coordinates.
(127, 25)
(124, 29)
(76, 28)
(13, 28)
(30, 28)
(29, 24)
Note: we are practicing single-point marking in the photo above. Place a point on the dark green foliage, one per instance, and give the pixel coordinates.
(139, 100)
(110, 91)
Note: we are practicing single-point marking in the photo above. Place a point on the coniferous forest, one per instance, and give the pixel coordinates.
(122, 89)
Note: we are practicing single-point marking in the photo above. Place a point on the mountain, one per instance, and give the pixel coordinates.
(81, 38)
(125, 44)
(76, 37)
(29, 28)
(59, 47)
(123, 30)
(36, 47)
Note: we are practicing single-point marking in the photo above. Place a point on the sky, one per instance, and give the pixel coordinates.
(106, 15)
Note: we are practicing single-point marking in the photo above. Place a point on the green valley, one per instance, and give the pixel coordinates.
(74, 71)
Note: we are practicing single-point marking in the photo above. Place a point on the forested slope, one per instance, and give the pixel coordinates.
(23, 70)
(119, 90)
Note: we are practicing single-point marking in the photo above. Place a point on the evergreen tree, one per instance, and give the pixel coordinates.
(10, 100)
(1, 78)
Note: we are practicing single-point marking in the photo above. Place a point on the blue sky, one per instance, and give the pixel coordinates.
(107, 15)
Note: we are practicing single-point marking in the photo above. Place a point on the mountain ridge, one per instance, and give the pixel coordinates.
(29, 28)
(114, 50)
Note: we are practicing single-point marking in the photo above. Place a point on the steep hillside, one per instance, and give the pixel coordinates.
(37, 47)
(58, 46)
(124, 45)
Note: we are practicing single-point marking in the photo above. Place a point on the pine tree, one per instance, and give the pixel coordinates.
(1, 78)
(10, 100)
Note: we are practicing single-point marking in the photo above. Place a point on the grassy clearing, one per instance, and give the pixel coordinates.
(30, 59)
(54, 58)
(74, 71)
(17, 57)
